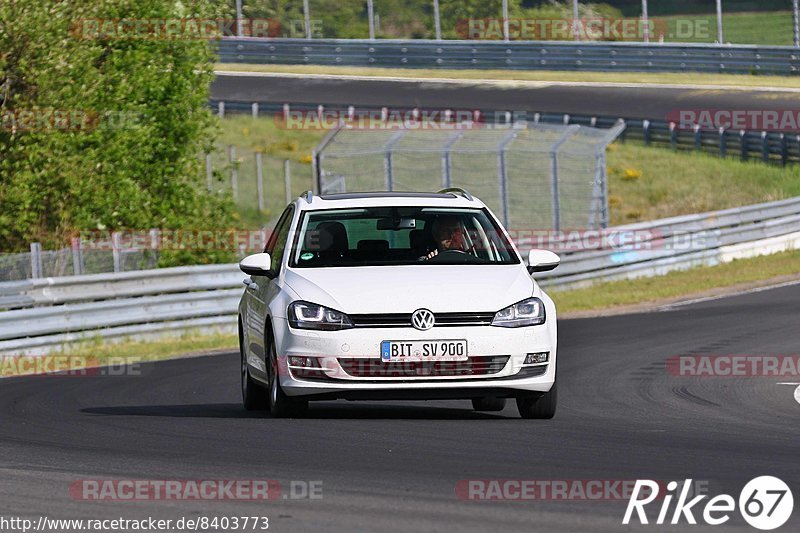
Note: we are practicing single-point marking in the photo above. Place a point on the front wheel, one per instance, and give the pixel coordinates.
(280, 405)
(254, 397)
(538, 406)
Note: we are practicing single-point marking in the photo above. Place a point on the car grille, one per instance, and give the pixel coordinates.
(474, 366)
(403, 320)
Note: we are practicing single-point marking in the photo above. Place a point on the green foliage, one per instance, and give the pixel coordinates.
(136, 165)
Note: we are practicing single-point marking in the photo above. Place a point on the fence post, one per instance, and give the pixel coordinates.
(371, 17)
(502, 172)
(576, 23)
(234, 172)
(77, 256)
(36, 260)
(116, 252)
(259, 181)
(645, 22)
(505, 20)
(307, 19)
(796, 21)
(720, 37)
(239, 18)
(437, 22)
(209, 172)
(287, 180)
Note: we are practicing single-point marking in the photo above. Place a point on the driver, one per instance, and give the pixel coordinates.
(448, 234)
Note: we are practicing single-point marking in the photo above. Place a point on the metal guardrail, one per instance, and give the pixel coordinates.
(46, 313)
(515, 55)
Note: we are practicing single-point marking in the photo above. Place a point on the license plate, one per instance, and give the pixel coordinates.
(446, 350)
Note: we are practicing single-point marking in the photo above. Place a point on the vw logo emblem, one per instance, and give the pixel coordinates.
(422, 319)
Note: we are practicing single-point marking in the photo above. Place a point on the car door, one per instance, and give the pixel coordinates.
(262, 289)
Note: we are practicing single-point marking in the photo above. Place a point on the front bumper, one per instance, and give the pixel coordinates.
(350, 364)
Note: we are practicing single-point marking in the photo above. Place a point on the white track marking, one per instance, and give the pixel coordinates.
(504, 83)
(670, 307)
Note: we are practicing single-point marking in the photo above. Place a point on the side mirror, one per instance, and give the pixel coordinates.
(542, 261)
(256, 265)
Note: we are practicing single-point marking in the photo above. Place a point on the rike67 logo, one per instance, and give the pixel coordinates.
(765, 503)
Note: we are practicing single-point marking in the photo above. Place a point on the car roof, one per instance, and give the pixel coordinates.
(309, 202)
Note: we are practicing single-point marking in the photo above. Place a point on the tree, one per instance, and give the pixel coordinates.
(127, 156)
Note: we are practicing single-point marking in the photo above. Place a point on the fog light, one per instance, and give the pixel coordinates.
(537, 358)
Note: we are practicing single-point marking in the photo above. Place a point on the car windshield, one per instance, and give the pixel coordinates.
(399, 236)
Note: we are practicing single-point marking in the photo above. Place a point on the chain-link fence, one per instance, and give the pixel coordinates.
(541, 176)
(261, 186)
(765, 22)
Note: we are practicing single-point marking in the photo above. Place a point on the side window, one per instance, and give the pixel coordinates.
(276, 244)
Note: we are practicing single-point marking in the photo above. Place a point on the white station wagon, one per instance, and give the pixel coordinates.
(395, 296)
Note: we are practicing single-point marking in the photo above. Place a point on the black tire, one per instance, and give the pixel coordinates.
(254, 396)
(489, 403)
(280, 405)
(538, 406)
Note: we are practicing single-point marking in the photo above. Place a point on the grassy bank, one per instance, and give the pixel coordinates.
(679, 284)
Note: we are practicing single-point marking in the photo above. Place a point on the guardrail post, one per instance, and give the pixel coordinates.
(116, 252)
(259, 181)
(784, 150)
(77, 256)
(764, 146)
(254, 109)
(646, 131)
(743, 145)
(36, 260)
(221, 109)
(723, 145)
(234, 172)
(698, 137)
(287, 180)
(673, 136)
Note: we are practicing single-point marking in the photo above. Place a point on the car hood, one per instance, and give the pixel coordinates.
(404, 289)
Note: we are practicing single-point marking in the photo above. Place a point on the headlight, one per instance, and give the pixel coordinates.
(305, 315)
(528, 312)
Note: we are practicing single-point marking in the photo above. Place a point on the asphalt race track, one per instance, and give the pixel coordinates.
(394, 466)
(653, 103)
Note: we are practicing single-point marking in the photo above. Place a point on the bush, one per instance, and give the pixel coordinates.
(134, 163)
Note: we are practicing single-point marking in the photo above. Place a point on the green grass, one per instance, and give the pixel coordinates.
(681, 183)
(677, 284)
(765, 28)
(656, 78)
